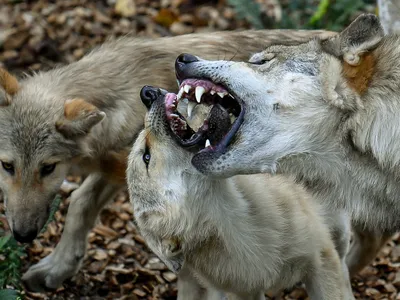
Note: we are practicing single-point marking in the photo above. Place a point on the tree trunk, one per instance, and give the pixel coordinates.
(389, 14)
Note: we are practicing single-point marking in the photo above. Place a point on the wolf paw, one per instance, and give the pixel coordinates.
(51, 271)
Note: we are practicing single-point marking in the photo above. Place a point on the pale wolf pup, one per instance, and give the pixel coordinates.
(326, 112)
(87, 114)
(241, 235)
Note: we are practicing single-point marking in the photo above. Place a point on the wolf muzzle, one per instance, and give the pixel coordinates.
(181, 63)
(149, 94)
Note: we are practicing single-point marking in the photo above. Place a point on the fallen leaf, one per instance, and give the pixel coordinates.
(125, 8)
(166, 17)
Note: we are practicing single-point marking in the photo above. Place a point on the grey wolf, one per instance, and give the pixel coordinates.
(87, 115)
(326, 112)
(241, 235)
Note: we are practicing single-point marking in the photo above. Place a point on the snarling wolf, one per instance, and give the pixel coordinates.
(88, 114)
(241, 235)
(326, 112)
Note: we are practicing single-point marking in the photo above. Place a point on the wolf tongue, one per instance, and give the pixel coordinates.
(219, 124)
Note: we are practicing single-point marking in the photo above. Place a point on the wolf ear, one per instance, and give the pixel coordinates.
(8, 87)
(362, 35)
(79, 117)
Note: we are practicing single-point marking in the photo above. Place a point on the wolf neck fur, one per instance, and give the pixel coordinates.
(374, 147)
(231, 205)
(377, 127)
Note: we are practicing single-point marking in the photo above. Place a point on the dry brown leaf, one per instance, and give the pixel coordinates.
(125, 8)
(169, 276)
(119, 269)
(139, 292)
(166, 17)
(100, 254)
(105, 231)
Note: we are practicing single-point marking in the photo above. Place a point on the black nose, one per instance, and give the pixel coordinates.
(149, 94)
(185, 58)
(181, 63)
(25, 236)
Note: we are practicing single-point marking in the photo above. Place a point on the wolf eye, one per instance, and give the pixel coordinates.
(259, 62)
(146, 157)
(47, 169)
(267, 57)
(8, 167)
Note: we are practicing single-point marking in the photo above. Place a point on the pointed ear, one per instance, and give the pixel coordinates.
(79, 117)
(8, 87)
(362, 35)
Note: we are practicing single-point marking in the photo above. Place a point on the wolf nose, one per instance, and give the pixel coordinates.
(185, 58)
(181, 63)
(25, 236)
(149, 94)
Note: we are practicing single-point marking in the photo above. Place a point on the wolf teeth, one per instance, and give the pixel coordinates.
(199, 92)
(180, 93)
(190, 107)
(186, 88)
(208, 143)
(232, 117)
(174, 115)
(212, 92)
(222, 94)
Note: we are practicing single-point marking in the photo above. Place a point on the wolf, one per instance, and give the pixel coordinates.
(326, 112)
(241, 235)
(86, 115)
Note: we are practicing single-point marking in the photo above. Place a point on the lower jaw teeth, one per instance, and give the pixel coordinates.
(208, 143)
(232, 117)
(190, 107)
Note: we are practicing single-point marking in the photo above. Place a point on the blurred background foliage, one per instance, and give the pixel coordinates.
(301, 14)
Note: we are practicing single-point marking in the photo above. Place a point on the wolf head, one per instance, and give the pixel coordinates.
(156, 161)
(159, 177)
(39, 138)
(295, 97)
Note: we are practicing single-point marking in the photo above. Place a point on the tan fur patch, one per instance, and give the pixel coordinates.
(77, 107)
(16, 182)
(38, 182)
(148, 139)
(358, 77)
(327, 253)
(8, 82)
(114, 166)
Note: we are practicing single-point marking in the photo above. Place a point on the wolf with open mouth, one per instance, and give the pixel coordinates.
(302, 110)
(241, 235)
(326, 112)
(211, 111)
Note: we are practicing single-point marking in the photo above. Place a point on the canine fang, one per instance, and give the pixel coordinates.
(199, 92)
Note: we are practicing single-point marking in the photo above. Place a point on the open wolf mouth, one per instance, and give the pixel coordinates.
(203, 114)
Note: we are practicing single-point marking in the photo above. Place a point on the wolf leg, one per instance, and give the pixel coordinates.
(64, 262)
(326, 280)
(189, 288)
(253, 296)
(340, 228)
(364, 247)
